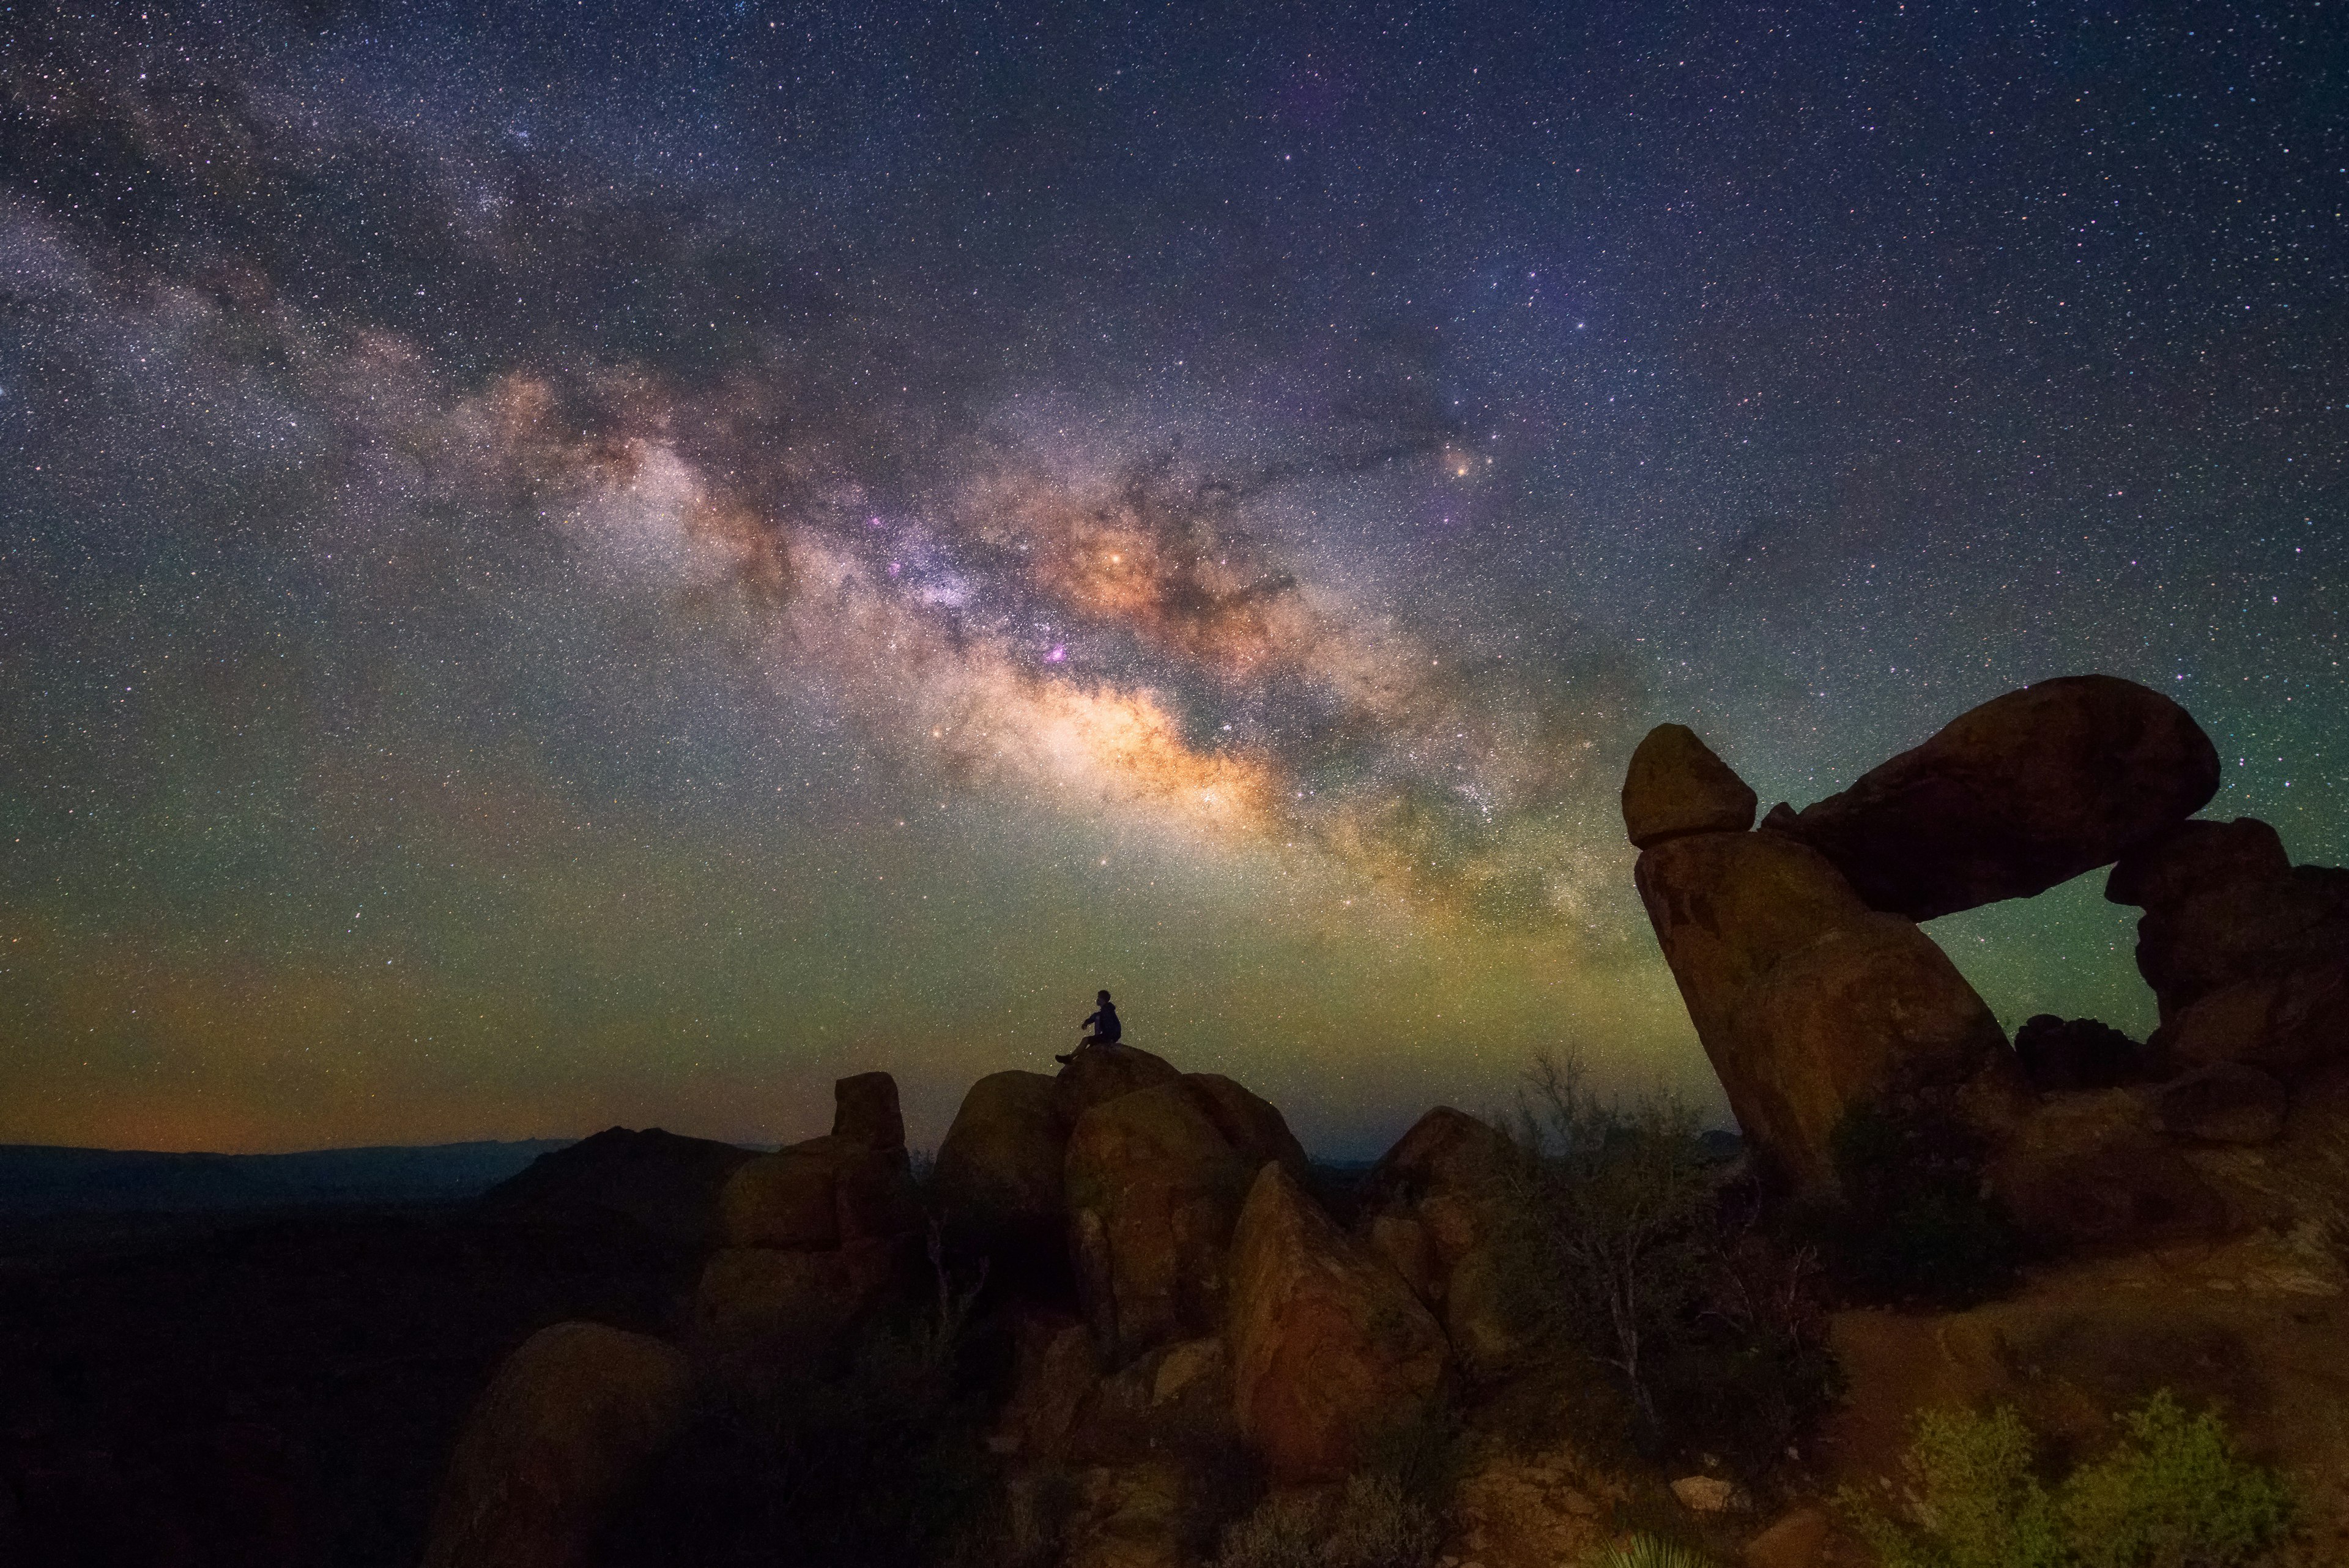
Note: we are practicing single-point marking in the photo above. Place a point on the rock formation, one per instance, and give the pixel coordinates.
(812, 1236)
(1328, 1348)
(1100, 1073)
(1429, 1208)
(2057, 1055)
(570, 1419)
(1153, 1180)
(1675, 786)
(2009, 798)
(1809, 1001)
(999, 1170)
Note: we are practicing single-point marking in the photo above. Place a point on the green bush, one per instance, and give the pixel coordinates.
(2171, 1494)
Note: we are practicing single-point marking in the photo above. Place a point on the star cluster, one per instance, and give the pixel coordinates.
(572, 564)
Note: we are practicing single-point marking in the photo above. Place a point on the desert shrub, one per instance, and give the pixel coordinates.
(1910, 1222)
(1648, 1552)
(2171, 1494)
(1623, 1247)
(1373, 1521)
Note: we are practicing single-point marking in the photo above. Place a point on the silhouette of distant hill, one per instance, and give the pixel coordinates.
(39, 1179)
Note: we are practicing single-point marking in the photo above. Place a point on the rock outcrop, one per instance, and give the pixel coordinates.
(1097, 1075)
(2009, 798)
(1430, 1209)
(572, 1418)
(1153, 1180)
(2224, 1103)
(2095, 1171)
(1808, 1001)
(1328, 1349)
(1675, 786)
(2246, 954)
(814, 1235)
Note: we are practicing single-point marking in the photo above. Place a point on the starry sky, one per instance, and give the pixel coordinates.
(569, 564)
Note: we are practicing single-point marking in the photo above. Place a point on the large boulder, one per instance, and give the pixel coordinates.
(2009, 798)
(1328, 1349)
(1675, 786)
(1431, 1208)
(2289, 1025)
(2095, 1171)
(666, 1183)
(2224, 1103)
(1808, 1002)
(999, 1170)
(1153, 1180)
(570, 1421)
(1096, 1075)
(2223, 905)
(765, 1314)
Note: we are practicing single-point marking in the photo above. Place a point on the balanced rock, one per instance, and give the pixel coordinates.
(1153, 1180)
(1808, 1001)
(2195, 857)
(567, 1424)
(2009, 798)
(1096, 1075)
(1675, 785)
(999, 1170)
(1328, 1350)
(2057, 1055)
(2224, 1103)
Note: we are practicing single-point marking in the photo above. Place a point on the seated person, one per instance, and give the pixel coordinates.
(1104, 1026)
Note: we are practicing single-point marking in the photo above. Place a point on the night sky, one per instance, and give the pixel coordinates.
(566, 563)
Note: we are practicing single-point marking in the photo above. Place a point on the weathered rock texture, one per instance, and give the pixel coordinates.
(1806, 1001)
(2247, 953)
(1153, 1180)
(2095, 1171)
(1429, 1208)
(2224, 1103)
(1675, 785)
(1096, 1075)
(572, 1418)
(815, 1234)
(2009, 798)
(999, 1171)
(1328, 1348)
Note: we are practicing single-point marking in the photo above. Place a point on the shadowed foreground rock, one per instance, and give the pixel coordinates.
(1328, 1349)
(1100, 1073)
(1429, 1208)
(999, 1171)
(2009, 798)
(570, 1421)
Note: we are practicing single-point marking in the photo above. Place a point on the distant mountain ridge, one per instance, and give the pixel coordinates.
(43, 1179)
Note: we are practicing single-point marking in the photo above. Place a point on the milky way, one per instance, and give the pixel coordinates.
(604, 565)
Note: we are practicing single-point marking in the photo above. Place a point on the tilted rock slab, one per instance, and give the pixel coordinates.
(1329, 1349)
(2009, 798)
(1154, 1181)
(1808, 1002)
(572, 1418)
(999, 1171)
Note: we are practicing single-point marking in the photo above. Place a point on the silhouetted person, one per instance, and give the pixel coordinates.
(1104, 1026)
